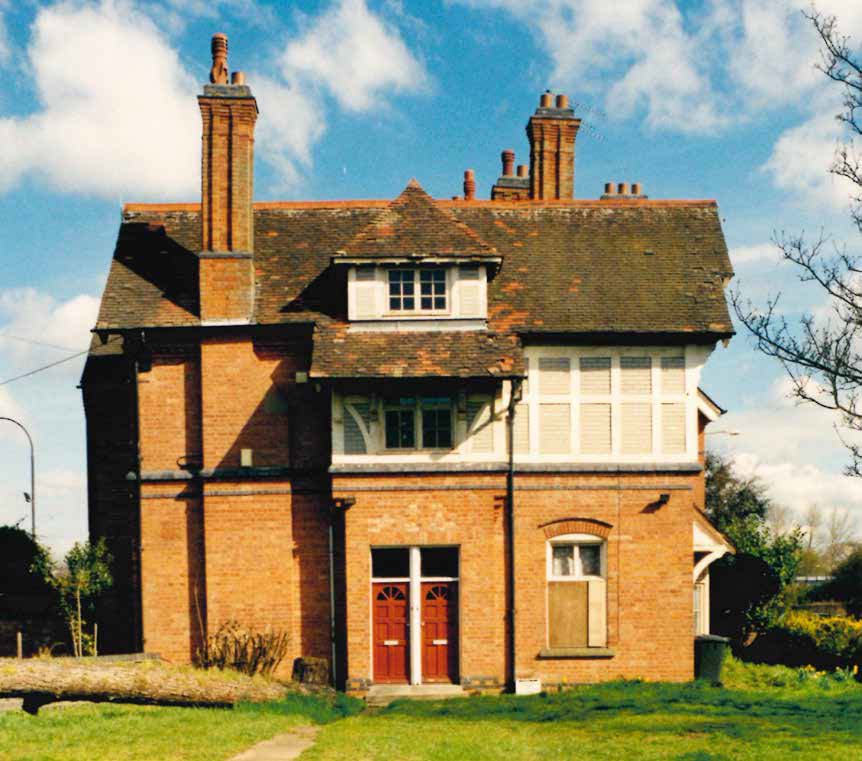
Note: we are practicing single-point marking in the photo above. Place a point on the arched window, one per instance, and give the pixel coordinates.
(577, 591)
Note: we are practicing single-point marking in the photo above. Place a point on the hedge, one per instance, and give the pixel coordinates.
(805, 639)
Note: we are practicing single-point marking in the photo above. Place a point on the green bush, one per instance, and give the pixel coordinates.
(805, 639)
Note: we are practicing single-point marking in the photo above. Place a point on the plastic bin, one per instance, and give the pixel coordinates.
(709, 652)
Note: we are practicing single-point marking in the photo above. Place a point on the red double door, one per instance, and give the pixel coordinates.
(391, 620)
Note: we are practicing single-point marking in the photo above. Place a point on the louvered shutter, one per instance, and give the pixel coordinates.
(365, 294)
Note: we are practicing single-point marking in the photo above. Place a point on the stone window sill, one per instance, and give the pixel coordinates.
(576, 652)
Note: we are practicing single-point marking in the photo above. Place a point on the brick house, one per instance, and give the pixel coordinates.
(434, 440)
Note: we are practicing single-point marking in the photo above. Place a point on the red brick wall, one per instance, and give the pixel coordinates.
(649, 567)
(552, 157)
(226, 288)
(245, 402)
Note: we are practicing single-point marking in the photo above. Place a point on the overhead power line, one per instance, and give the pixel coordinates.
(52, 364)
(38, 343)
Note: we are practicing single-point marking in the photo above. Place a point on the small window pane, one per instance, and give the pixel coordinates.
(400, 432)
(439, 561)
(401, 290)
(437, 428)
(591, 563)
(390, 563)
(563, 560)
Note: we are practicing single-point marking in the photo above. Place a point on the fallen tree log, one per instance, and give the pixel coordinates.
(42, 681)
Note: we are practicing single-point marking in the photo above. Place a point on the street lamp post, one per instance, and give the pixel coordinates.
(32, 475)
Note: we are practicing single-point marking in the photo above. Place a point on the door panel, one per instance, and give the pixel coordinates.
(391, 640)
(440, 631)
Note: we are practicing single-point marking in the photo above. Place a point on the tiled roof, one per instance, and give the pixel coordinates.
(568, 267)
(413, 225)
(339, 353)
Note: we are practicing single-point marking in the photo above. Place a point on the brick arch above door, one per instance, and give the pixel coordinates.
(576, 526)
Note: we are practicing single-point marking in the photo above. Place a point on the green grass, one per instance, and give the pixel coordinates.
(764, 713)
(149, 733)
(808, 716)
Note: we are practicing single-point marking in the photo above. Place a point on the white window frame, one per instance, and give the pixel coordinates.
(694, 355)
(418, 435)
(576, 540)
(417, 293)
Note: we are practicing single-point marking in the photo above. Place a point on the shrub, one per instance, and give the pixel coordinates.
(245, 650)
(805, 639)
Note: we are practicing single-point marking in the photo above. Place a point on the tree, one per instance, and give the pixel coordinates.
(823, 359)
(750, 587)
(85, 574)
(846, 583)
(18, 552)
(730, 497)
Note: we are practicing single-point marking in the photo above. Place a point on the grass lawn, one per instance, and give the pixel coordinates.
(149, 733)
(764, 714)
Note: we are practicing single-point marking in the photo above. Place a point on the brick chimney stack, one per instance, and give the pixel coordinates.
(228, 114)
(552, 130)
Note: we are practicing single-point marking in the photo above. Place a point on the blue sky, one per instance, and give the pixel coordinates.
(712, 99)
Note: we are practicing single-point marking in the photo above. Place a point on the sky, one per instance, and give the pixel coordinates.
(709, 99)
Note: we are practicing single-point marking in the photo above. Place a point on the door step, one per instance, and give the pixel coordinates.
(384, 694)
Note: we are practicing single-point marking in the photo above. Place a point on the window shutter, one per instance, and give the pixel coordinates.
(554, 429)
(480, 429)
(673, 428)
(597, 634)
(521, 429)
(637, 428)
(469, 298)
(595, 375)
(636, 375)
(554, 376)
(596, 428)
(673, 375)
(365, 294)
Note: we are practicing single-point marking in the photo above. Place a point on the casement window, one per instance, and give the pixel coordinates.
(417, 290)
(577, 594)
(418, 423)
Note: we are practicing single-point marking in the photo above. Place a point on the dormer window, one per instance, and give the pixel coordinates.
(403, 292)
(430, 284)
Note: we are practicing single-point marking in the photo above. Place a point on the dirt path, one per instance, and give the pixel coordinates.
(281, 747)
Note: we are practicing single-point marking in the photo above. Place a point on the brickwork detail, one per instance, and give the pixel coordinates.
(577, 526)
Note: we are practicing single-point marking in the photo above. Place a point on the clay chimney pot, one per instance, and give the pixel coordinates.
(218, 47)
(546, 99)
(623, 188)
(610, 189)
(562, 101)
(237, 78)
(522, 170)
(469, 185)
(637, 190)
(508, 157)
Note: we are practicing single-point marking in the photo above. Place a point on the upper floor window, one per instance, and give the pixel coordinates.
(429, 284)
(418, 423)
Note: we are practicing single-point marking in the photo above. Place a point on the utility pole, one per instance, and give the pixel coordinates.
(32, 495)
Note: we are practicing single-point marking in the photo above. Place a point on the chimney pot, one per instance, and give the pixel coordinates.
(218, 47)
(237, 78)
(610, 189)
(546, 99)
(469, 185)
(562, 101)
(508, 157)
(623, 188)
(637, 190)
(522, 170)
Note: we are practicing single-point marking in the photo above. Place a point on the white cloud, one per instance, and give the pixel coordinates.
(118, 115)
(27, 313)
(289, 125)
(757, 254)
(801, 158)
(356, 55)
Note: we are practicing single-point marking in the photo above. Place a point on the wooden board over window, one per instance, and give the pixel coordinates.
(568, 613)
